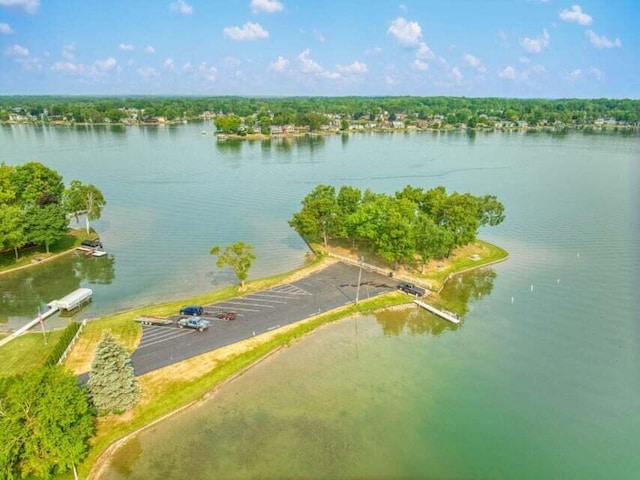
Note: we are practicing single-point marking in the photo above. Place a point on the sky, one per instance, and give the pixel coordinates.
(504, 48)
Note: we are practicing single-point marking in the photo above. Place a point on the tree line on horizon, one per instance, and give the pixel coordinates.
(408, 226)
(35, 205)
(283, 110)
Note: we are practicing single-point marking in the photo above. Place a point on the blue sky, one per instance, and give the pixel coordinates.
(507, 48)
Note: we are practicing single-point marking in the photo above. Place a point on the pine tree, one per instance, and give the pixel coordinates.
(112, 385)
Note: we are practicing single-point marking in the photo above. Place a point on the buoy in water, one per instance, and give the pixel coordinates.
(532, 287)
(558, 280)
(512, 298)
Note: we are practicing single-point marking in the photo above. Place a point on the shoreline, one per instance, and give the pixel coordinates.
(299, 330)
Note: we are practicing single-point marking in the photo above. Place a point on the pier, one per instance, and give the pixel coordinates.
(446, 315)
(72, 301)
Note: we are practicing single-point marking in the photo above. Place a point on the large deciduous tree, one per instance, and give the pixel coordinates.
(87, 199)
(238, 256)
(112, 384)
(319, 216)
(46, 224)
(11, 228)
(45, 423)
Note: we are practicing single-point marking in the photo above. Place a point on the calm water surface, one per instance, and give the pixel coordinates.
(540, 381)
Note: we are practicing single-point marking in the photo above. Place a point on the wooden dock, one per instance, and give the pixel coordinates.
(446, 315)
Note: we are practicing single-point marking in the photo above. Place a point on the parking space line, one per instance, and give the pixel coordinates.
(166, 339)
(265, 294)
(243, 309)
(230, 302)
(267, 300)
(160, 332)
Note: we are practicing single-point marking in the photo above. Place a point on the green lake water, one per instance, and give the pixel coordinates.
(541, 380)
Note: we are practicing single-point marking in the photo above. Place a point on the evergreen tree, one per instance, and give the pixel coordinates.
(45, 422)
(113, 387)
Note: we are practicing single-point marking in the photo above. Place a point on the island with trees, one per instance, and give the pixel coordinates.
(406, 230)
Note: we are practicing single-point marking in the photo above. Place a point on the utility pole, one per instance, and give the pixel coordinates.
(359, 278)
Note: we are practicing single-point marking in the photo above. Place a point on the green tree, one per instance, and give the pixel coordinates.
(238, 256)
(45, 423)
(81, 198)
(45, 225)
(431, 240)
(228, 123)
(11, 228)
(319, 215)
(36, 184)
(112, 384)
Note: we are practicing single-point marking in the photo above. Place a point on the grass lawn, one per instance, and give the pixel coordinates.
(27, 352)
(34, 255)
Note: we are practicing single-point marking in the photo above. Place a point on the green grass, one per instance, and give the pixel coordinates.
(29, 256)
(27, 352)
(459, 263)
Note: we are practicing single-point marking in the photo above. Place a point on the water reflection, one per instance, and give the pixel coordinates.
(457, 295)
(24, 293)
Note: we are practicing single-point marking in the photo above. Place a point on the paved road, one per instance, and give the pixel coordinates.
(257, 313)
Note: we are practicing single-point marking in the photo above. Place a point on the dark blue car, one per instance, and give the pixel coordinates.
(192, 310)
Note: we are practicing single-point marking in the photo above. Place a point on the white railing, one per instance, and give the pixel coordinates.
(72, 342)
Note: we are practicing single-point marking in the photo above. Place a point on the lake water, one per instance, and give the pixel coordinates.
(541, 380)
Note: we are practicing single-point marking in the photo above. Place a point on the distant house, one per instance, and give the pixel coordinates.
(397, 124)
(275, 130)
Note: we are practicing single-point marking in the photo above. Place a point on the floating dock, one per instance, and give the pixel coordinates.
(90, 251)
(446, 315)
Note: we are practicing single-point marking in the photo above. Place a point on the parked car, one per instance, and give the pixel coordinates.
(196, 323)
(411, 289)
(192, 310)
(226, 315)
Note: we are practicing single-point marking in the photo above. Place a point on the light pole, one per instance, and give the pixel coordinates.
(359, 277)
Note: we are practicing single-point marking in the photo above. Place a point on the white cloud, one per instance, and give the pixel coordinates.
(182, 7)
(535, 70)
(373, 51)
(67, 67)
(424, 52)
(68, 52)
(187, 67)
(125, 47)
(602, 42)
(524, 60)
(307, 65)
(330, 75)
(355, 67)
(391, 79)
(576, 15)
(106, 64)
(419, 65)
(471, 60)
(407, 33)
(266, 6)
(150, 49)
(575, 75)
(508, 73)
(249, 31)
(169, 65)
(16, 51)
(536, 45)
(5, 29)
(319, 36)
(280, 65)
(596, 72)
(474, 62)
(456, 75)
(29, 6)
(148, 73)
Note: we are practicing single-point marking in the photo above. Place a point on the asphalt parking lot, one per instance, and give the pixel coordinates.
(258, 313)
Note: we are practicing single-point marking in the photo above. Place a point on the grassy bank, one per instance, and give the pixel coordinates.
(27, 352)
(33, 256)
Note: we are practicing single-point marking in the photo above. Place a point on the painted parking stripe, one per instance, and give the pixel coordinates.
(239, 302)
(269, 295)
(157, 333)
(291, 289)
(260, 299)
(166, 339)
(242, 309)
